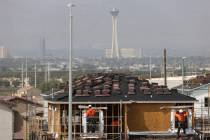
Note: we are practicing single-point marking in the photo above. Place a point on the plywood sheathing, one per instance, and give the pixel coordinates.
(57, 119)
(148, 117)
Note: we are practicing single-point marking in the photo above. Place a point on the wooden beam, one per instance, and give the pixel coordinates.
(112, 121)
(97, 108)
(118, 119)
(209, 103)
(106, 120)
(121, 129)
(74, 109)
(126, 123)
(176, 107)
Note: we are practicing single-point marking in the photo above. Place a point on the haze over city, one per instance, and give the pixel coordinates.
(104, 69)
(148, 24)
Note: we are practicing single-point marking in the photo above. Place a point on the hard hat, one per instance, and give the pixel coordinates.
(89, 106)
(180, 111)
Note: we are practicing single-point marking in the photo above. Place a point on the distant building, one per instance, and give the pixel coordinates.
(115, 53)
(172, 82)
(108, 53)
(4, 53)
(126, 53)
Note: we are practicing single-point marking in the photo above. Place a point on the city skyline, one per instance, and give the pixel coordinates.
(150, 25)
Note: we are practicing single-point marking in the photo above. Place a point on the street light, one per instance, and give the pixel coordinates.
(183, 58)
(150, 69)
(70, 72)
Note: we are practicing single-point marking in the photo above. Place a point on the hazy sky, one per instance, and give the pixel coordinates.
(181, 26)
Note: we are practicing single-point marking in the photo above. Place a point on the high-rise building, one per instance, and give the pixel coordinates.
(108, 53)
(4, 53)
(43, 46)
(141, 55)
(115, 53)
(126, 53)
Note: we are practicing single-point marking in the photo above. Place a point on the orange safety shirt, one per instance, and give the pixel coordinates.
(181, 116)
(91, 112)
(115, 123)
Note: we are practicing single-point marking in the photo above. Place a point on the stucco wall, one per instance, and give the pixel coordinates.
(148, 117)
(6, 123)
(200, 94)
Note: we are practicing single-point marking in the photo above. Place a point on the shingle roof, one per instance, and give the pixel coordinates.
(7, 103)
(130, 89)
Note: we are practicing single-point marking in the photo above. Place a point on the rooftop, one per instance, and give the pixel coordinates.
(195, 82)
(12, 99)
(111, 88)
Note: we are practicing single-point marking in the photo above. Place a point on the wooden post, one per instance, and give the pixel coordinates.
(126, 123)
(112, 121)
(106, 119)
(172, 122)
(80, 118)
(190, 118)
(74, 110)
(209, 103)
(165, 71)
(121, 120)
(203, 129)
(118, 119)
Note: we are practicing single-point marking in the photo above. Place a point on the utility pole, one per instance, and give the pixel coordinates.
(183, 58)
(209, 102)
(22, 75)
(70, 72)
(48, 72)
(27, 105)
(165, 71)
(35, 76)
(150, 68)
(45, 73)
(26, 71)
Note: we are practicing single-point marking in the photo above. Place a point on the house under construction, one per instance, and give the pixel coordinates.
(127, 108)
(199, 88)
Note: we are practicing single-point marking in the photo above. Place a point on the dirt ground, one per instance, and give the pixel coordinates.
(171, 138)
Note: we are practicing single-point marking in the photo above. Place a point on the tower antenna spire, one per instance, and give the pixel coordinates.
(115, 53)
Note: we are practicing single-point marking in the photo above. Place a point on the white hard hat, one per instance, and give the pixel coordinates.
(89, 106)
(180, 111)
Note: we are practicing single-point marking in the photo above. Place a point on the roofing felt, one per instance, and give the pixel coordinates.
(116, 88)
(7, 103)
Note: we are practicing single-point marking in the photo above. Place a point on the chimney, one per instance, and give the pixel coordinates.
(165, 72)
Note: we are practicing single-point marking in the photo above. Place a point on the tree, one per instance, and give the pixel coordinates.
(4, 83)
(48, 86)
(16, 83)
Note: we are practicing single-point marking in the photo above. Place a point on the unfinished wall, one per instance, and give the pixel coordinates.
(54, 123)
(6, 120)
(18, 122)
(148, 117)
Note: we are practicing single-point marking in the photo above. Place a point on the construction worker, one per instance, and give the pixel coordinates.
(181, 117)
(91, 118)
(115, 123)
